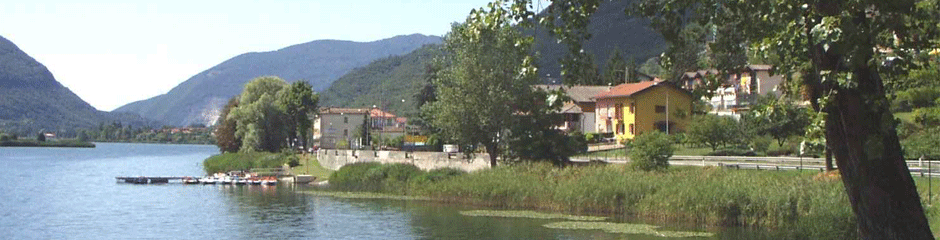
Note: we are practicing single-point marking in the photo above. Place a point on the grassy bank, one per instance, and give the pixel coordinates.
(310, 166)
(34, 143)
(788, 204)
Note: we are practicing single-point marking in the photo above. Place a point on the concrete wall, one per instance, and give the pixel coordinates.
(334, 159)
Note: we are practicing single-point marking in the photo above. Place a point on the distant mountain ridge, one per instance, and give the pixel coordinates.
(32, 100)
(387, 81)
(199, 99)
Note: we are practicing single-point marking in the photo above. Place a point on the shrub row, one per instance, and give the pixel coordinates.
(245, 161)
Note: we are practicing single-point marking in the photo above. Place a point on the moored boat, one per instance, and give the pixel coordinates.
(190, 180)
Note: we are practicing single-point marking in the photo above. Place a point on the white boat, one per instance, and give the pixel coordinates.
(268, 182)
(207, 180)
(189, 180)
(226, 180)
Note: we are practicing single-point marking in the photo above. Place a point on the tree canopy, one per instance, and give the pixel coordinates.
(488, 75)
(838, 51)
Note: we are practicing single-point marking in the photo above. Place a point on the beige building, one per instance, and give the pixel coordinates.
(343, 127)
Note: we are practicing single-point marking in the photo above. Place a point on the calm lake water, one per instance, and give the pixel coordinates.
(68, 193)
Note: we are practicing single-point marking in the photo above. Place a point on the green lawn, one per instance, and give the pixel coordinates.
(310, 166)
(905, 116)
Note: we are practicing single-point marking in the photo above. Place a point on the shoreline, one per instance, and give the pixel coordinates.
(51, 144)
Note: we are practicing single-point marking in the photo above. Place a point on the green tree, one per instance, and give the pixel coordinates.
(489, 72)
(259, 120)
(533, 135)
(651, 151)
(619, 70)
(713, 130)
(298, 101)
(40, 137)
(779, 119)
(225, 128)
(580, 69)
(835, 48)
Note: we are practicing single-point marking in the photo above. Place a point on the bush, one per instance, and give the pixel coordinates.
(443, 174)
(651, 151)
(4, 138)
(927, 116)
(590, 138)
(761, 143)
(733, 152)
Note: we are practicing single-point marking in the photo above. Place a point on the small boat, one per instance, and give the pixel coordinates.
(256, 182)
(190, 180)
(226, 180)
(268, 182)
(207, 180)
(241, 181)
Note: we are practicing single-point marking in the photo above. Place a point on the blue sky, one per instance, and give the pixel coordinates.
(95, 47)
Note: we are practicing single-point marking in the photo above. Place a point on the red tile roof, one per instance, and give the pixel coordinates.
(626, 89)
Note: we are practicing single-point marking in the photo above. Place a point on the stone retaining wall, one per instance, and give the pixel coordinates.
(334, 159)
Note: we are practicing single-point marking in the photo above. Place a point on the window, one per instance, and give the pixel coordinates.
(632, 107)
(632, 131)
(660, 108)
(619, 128)
(345, 132)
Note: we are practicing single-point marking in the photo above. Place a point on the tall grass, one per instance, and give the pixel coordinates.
(792, 203)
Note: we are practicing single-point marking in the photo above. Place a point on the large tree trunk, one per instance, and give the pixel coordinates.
(863, 140)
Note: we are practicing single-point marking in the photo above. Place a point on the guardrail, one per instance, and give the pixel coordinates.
(923, 168)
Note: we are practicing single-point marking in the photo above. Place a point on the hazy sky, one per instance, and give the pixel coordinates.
(113, 52)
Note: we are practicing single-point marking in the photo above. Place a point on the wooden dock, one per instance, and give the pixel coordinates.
(146, 180)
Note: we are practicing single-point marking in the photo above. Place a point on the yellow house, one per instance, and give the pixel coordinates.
(631, 109)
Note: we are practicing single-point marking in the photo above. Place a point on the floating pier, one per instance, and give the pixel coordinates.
(146, 180)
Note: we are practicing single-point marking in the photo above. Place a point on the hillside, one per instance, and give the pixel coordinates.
(199, 99)
(32, 100)
(385, 82)
(610, 29)
(392, 79)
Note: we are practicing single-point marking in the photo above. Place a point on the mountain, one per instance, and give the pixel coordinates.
(32, 100)
(389, 80)
(199, 99)
(610, 29)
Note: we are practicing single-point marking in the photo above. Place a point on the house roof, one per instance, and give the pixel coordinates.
(571, 108)
(629, 89)
(577, 93)
(334, 110)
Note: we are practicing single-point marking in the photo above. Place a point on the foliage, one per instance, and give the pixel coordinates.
(617, 70)
(117, 132)
(225, 128)
(488, 77)
(910, 99)
(791, 204)
(533, 136)
(761, 143)
(385, 82)
(651, 151)
(778, 118)
(713, 130)
(260, 122)
(389, 178)
(299, 102)
(40, 137)
(923, 143)
(927, 116)
(226, 162)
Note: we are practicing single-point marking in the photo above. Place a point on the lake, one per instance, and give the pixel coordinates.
(71, 193)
